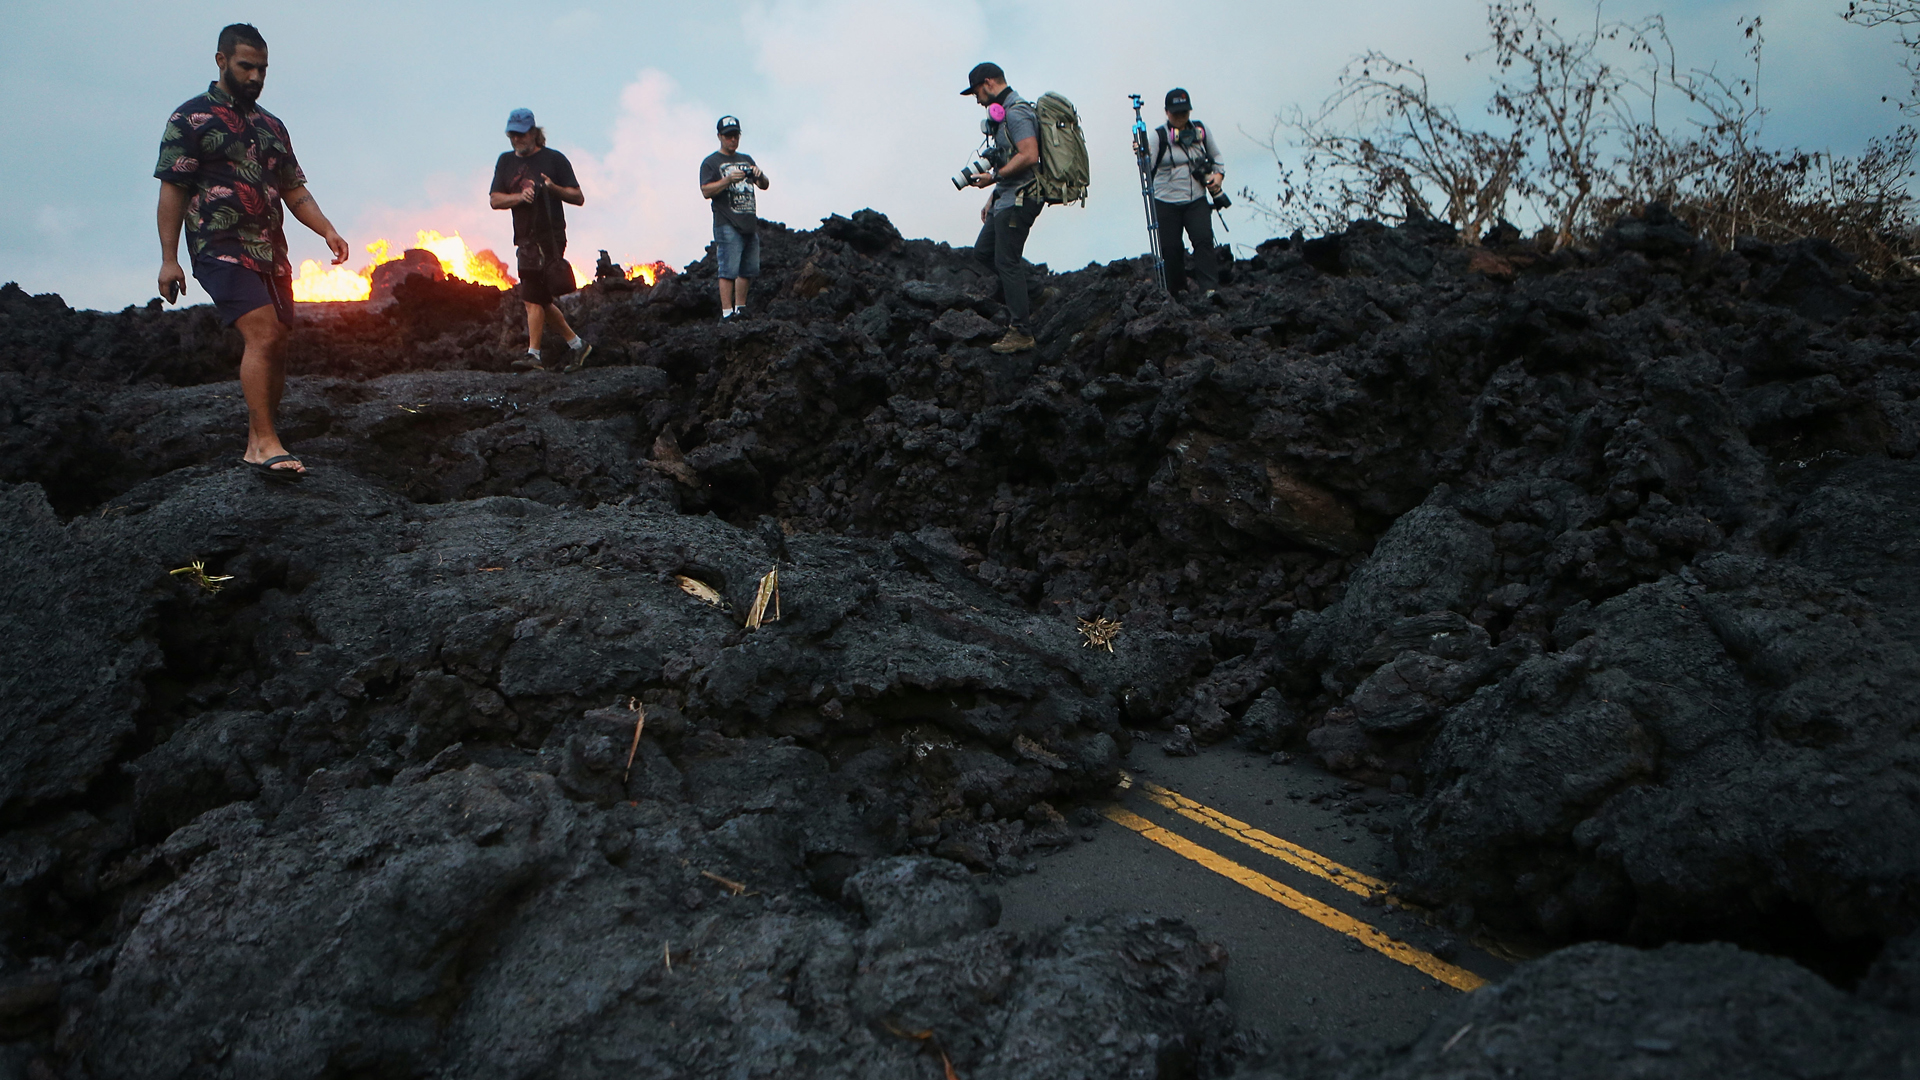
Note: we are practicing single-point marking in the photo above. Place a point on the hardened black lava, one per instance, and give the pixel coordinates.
(1603, 565)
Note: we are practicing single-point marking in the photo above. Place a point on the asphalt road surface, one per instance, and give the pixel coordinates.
(1286, 867)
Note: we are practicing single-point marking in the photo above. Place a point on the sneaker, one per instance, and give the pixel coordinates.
(529, 362)
(1213, 297)
(1015, 340)
(577, 358)
(728, 313)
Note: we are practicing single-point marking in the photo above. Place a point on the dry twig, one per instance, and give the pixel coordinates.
(926, 1037)
(639, 721)
(732, 886)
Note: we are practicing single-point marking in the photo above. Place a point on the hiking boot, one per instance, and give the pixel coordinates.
(1013, 341)
(529, 362)
(577, 358)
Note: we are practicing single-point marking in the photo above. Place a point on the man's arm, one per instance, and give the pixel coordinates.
(507, 200)
(171, 212)
(711, 188)
(572, 196)
(1026, 154)
(301, 203)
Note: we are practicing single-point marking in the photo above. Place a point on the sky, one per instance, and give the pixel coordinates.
(397, 111)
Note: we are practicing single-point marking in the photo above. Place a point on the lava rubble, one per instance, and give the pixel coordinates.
(1608, 558)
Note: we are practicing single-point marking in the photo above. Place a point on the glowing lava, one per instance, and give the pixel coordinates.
(647, 272)
(320, 283)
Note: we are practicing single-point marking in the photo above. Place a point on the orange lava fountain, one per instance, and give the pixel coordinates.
(318, 283)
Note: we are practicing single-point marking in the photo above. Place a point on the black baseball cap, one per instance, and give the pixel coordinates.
(981, 73)
(727, 124)
(1178, 101)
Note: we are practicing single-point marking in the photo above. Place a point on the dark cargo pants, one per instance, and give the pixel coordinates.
(1002, 242)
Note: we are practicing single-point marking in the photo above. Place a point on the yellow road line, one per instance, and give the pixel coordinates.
(1337, 921)
(1265, 842)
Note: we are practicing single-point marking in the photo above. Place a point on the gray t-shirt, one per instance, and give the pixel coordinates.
(735, 204)
(1173, 180)
(1023, 122)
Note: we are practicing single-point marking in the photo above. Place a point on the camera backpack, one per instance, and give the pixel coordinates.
(1062, 175)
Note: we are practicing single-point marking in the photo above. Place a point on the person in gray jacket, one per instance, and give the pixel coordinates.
(1007, 218)
(1186, 170)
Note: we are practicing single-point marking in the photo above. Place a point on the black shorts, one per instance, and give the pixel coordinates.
(237, 290)
(533, 263)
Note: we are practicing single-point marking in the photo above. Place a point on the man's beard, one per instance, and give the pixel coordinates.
(243, 94)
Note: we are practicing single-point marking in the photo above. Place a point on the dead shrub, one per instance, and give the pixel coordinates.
(1581, 128)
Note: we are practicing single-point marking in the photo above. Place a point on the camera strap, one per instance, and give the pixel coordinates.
(1160, 133)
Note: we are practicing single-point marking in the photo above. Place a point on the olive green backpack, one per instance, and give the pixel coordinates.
(1062, 172)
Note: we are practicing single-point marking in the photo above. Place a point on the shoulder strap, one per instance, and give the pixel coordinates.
(1160, 134)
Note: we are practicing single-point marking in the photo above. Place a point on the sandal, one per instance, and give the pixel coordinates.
(266, 468)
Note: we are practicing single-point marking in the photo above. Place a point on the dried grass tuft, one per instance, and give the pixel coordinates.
(196, 572)
(1099, 632)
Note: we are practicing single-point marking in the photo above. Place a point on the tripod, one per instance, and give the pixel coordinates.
(1143, 160)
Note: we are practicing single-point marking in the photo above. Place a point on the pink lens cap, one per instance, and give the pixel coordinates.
(997, 111)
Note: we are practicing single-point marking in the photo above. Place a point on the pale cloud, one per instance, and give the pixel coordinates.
(643, 197)
(57, 223)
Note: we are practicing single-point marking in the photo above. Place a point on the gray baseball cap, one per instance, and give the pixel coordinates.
(520, 121)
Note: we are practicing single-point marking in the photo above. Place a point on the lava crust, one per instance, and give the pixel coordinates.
(1607, 559)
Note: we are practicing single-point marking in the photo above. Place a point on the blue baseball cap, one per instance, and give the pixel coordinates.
(520, 121)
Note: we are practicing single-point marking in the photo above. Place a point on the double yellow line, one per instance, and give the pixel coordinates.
(1294, 855)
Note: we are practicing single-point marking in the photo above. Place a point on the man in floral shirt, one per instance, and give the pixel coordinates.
(225, 167)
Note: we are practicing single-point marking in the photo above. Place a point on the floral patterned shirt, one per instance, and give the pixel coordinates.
(237, 164)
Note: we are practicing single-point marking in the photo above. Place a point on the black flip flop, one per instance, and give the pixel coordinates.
(266, 469)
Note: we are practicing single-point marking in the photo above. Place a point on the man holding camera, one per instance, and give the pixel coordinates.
(1186, 172)
(533, 180)
(1007, 218)
(728, 179)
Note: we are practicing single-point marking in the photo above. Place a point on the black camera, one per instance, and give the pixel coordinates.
(963, 179)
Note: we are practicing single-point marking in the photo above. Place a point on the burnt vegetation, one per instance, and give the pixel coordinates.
(1585, 123)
